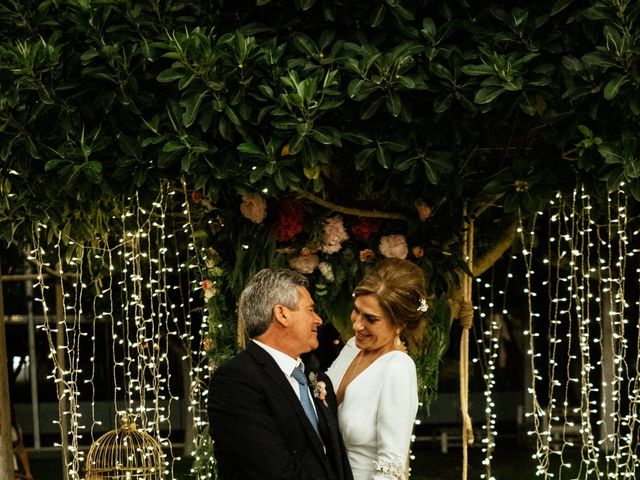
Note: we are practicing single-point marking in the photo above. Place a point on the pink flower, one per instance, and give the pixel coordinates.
(394, 246)
(418, 252)
(253, 207)
(306, 262)
(424, 210)
(334, 234)
(367, 255)
(319, 388)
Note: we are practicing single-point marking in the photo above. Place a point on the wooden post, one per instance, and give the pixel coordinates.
(63, 400)
(6, 448)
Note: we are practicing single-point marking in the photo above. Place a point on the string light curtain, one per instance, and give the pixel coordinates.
(583, 349)
(134, 281)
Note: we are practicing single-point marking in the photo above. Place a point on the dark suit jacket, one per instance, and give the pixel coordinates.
(260, 431)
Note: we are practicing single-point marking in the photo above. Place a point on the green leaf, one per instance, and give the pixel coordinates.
(394, 104)
(377, 15)
(225, 129)
(169, 75)
(429, 173)
(363, 158)
(441, 71)
(256, 175)
(404, 164)
(559, 6)
(614, 179)
(613, 87)
(478, 70)
(632, 168)
(359, 89)
(634, 189)
(93, 171)
(191, 107)
(487, 95)
(231, 115)
(53, 164)
(326, 135)
(304, 43)
(306, 4)
(586, 131)
(442, 103)
(610, 154)
(280, 181)
(383, 157)
(172, 147)
(597, 59)
(428, 28)
(369, 108)
(356, 137)
(185, 163)
(249, 149)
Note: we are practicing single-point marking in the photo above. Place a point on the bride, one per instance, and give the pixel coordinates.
(377, 385)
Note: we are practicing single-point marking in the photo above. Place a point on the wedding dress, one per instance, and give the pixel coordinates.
(377, 413)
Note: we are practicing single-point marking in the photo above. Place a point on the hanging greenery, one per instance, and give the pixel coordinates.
(317, 135)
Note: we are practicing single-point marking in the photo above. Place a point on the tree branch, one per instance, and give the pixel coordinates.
(357, 212)
(495, 252)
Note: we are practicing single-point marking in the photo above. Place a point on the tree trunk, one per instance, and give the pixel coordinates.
(6, 449)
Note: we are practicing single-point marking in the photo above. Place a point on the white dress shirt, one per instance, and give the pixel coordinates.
(286, 364)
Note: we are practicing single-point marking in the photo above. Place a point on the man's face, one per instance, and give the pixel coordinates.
(304, 323)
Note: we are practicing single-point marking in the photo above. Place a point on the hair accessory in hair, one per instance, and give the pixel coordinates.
(423, 307)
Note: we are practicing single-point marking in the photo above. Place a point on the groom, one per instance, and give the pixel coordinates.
(266, 421)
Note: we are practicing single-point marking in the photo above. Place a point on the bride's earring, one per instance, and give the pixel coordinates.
(397, 343)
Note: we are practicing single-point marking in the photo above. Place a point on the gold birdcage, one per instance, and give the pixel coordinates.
(125, 454)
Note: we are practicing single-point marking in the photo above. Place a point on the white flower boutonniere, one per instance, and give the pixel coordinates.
(319, 388)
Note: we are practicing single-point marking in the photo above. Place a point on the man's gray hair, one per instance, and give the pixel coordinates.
(268, 288)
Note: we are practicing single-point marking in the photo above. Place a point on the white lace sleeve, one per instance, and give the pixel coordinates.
(396, 417)
(393, 469)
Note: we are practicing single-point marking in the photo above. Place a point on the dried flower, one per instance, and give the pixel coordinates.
(253, 207)
(306, 262)
(394, 246)
(418, 252)
(364, 227)
(424, 210)
(423, 307)
(334, 234)
(207, 345)
(319, 388)
(196, 196)
(209, 288)
(290, 221)
(327, 271)
(367, 255)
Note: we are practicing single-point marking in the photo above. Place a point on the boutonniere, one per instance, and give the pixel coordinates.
(319, 388)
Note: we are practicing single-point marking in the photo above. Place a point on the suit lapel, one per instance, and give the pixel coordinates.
(272, 370)
(330, 431)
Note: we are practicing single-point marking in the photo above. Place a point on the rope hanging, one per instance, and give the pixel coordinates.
(465, 317)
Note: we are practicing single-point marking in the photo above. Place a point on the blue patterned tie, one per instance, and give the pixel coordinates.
(301, 378)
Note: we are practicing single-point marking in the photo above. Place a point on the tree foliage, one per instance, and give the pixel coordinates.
(347, 104)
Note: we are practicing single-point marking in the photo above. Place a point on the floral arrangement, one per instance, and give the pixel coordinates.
(319, 388)
(333, 249)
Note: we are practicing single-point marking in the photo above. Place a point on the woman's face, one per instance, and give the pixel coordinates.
(372, 326)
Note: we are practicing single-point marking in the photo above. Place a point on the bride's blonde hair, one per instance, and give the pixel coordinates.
(399, 286)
